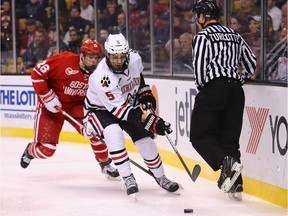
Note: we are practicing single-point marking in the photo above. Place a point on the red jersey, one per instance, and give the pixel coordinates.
(62, 74)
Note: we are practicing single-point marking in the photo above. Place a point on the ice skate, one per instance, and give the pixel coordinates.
(109, 171)
(131, 185)
(230, 170)
(26, 158)
(167, 184)
(235, 192)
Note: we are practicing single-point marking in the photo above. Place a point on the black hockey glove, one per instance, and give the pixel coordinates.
(146, 98)
(157, 125)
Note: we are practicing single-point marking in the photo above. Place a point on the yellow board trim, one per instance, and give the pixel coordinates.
(262, 190)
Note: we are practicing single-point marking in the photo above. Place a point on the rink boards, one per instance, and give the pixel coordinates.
(263, 141)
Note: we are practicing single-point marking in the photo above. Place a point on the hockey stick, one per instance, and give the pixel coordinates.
(82, 127)
(142, 168)
(70, 117)
(196, 169)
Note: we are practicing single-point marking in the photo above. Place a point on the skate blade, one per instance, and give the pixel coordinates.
(113, 178)
(177, 192)
(228, 183)
(237, 196)
(134, 196)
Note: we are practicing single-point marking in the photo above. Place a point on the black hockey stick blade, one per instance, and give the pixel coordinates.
(195, 173)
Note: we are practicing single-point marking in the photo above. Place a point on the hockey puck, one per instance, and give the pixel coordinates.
(188, 210)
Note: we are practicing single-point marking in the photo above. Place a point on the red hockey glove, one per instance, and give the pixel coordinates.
(157, 125)
(51, 101)
(146, 98)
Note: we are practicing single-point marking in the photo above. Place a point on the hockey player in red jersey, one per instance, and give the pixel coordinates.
(116, 91)
(62, 80)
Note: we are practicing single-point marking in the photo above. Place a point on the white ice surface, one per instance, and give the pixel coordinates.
(71, 184)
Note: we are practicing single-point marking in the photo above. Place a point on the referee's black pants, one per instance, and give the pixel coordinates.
(216, 121)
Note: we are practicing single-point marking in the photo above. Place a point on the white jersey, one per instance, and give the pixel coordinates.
(116, 93)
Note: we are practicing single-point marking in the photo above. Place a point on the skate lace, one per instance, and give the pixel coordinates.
(130, 182)
(164, 182)
(26, 159)
(108, 169)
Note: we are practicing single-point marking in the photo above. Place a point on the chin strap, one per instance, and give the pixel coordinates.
(87, 69)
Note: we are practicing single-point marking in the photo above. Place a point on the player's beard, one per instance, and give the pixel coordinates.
(90, 69)
(87, 68)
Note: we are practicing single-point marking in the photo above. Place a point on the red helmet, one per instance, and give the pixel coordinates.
(91, 47)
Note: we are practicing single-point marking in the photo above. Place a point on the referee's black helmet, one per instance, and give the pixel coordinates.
(209, 8)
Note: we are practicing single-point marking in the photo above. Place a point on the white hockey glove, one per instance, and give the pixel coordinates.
(50, 101)
(92, 127)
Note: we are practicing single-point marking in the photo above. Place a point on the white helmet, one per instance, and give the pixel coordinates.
(117, 44)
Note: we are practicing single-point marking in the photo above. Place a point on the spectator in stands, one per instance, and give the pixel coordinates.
(284, 17)
(239, 25)
(142, 37)
(176, 47)
(87, 10)
(160, 7)
(34, 9)
(37, 51)
(53, 42)
(184, 7)
(121, 27)
(247, 8)
(254, 30)
(180, 25)
(271, 36)
(276, 60)
(74, 44)
(111, 14)
(27, 38)
(184, 60)
(134, 13)
(6, 26)
(103, 35)
(177, 62)
(91, 34)
(142, 5)
(162, 33)
(101, 22)
(275, 14)
(77, 22)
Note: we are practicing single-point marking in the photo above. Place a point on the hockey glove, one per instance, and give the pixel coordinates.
(51, 101)
(157, 125)
(146, 98)
(92, 127)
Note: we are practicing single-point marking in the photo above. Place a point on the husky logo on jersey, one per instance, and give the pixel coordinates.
(105, 81)
(69, 71)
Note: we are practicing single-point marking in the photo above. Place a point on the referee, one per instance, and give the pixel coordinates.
(216, 121)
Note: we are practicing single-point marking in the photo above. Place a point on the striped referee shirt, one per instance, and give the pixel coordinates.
(218, 51)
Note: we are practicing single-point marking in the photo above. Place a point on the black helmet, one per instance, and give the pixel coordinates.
(209, 8)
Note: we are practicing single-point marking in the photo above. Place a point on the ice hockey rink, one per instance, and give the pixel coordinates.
(71, 183)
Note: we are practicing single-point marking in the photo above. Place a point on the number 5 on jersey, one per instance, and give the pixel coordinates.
(110, 95)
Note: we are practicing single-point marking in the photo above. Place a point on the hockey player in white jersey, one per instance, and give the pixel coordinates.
(116, 91)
